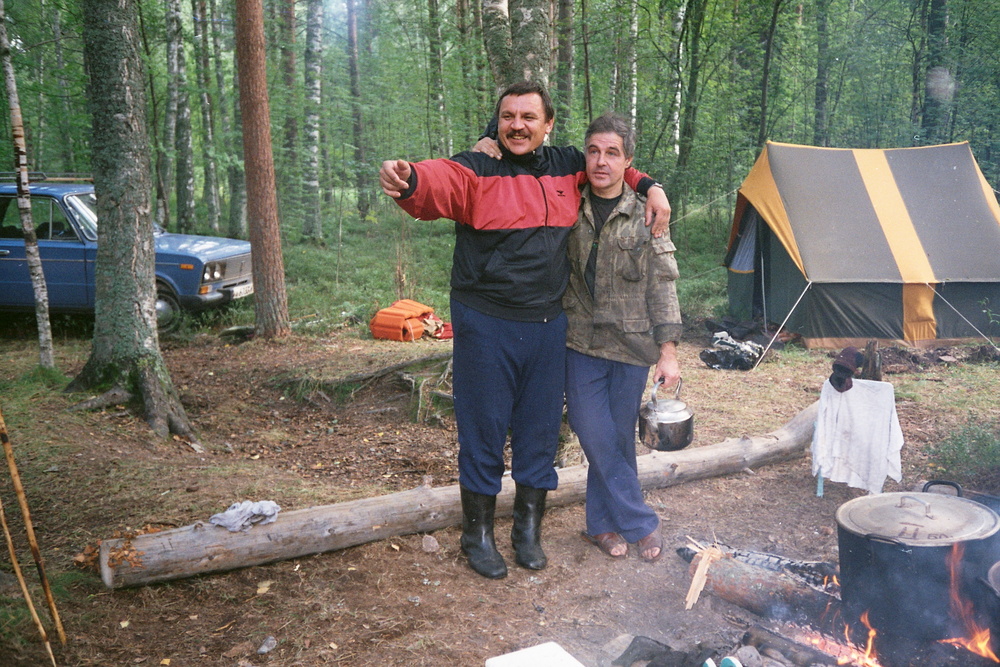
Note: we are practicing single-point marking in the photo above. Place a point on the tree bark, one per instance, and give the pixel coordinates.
(312, 224)
(564, 72)
(821, 118)
(210, 191)
(517, 35)
(126, 350)
(766, 73)
(183, 141)
(165, 154)
(46, 353)
(438, 127)
(938, 81)
(362, 176)
(270, 300)
(202, 548)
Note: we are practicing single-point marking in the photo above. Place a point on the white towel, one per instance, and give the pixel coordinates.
(245, 515)
(857, 438)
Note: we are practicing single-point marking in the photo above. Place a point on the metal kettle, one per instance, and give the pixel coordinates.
(667, 425)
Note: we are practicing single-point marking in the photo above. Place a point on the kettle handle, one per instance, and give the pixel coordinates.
(656, 385)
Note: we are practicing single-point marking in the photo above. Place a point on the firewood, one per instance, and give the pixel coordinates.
(767, 593)
(201, 548)
(800, 654)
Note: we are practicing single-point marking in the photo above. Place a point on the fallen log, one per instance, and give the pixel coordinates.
(202, 547)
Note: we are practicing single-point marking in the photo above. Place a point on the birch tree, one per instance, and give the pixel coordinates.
(210, 191)
(46, 355)
(312, 225)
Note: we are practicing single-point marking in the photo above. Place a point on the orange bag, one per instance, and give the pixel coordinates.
(400, 321)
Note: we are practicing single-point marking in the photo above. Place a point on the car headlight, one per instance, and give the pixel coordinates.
(213, 271)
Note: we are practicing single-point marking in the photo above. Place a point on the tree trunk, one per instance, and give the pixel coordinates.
(362, 176)
(210, 192)
(312, 225)
(183, 143)
(270, 301)
(496, 39)
(46, 353)
(821, 118)
(202, 548)
(939, 85)
(564, 72)
(237, 172)
(66, 139)
(766, 73)
(694, 21)
(125, 351)
(438, 127)
(165, 154)
(517, 36)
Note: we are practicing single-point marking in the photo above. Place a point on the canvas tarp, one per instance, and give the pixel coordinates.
(894, 244)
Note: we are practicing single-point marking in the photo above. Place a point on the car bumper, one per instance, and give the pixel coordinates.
(217, 298)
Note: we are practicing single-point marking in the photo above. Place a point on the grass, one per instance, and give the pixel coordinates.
(969, 450)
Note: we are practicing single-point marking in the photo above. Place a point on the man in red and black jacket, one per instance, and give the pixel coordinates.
(510, 269)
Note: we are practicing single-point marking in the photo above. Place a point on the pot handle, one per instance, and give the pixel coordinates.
(936, 482)
(927, 505)
(873, 538)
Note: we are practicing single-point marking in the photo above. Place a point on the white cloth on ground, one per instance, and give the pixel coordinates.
(857, 438)
(243, 516)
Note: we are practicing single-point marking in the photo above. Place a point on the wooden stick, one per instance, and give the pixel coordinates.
(22, 500)
(24, 585)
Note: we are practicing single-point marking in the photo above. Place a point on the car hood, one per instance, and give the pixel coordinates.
(205, 248)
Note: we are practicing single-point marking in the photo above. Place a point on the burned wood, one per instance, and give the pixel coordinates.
(201, 548)
(767, 593)
(800, 654)
(816, 574)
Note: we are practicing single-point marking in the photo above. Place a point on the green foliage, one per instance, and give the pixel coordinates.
(969, 450)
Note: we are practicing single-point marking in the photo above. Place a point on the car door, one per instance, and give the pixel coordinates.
(66, 260)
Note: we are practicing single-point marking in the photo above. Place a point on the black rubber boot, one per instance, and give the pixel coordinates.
(529, 506)
(477, 535)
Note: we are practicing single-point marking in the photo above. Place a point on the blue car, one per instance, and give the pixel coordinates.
(193, 273)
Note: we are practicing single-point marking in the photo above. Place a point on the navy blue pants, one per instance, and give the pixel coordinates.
(603, 398)
(507, 377)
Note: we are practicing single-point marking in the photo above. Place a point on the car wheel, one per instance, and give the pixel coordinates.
(168, 310)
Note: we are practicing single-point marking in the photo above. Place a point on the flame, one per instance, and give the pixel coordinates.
(977, 639)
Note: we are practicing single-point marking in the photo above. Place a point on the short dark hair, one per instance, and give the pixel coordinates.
(615, 124)
(528, 88)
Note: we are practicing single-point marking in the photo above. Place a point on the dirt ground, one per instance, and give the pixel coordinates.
(396, 601)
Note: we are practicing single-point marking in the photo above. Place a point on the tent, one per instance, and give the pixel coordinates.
(900, 245)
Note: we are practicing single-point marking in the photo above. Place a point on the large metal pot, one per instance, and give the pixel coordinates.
(666, 425)
(894, 560)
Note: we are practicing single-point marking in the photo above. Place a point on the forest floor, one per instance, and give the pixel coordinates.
(91, 476)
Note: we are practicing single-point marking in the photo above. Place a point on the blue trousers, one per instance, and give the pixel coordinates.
(603, 399)
(507, 376)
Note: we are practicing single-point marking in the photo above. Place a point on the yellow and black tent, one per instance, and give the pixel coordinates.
(845, 245)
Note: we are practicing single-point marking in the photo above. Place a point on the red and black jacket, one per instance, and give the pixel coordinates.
(512, 220)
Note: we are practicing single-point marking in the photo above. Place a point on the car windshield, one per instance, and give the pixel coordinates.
(83, 206)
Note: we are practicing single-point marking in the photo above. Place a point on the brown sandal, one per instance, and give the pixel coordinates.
(608, 541)
(652, 541)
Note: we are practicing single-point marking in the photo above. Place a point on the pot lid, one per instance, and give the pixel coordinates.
(919, 519)
(669, 405)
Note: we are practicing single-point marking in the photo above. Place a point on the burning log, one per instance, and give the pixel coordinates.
(766, 641)
(201, 548)
(767, 593)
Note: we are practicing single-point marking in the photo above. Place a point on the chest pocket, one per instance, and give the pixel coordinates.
(630, 260)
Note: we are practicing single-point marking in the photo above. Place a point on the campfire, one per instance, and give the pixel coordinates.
(813, 626)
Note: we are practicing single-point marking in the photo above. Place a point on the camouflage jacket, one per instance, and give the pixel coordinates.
(635, 307)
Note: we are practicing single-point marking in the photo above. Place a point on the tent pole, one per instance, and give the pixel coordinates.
(985, 337)
(782, 326)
